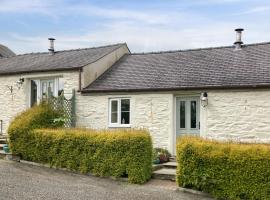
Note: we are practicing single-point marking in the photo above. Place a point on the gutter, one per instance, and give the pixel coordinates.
(85, 91)
(38, 71)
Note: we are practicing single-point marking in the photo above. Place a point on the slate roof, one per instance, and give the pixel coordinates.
(5, 51)
(220, 67)
(61, 60)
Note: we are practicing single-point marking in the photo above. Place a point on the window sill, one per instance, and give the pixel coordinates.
(119, 126)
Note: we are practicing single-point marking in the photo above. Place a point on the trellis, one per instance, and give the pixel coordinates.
(65, 106)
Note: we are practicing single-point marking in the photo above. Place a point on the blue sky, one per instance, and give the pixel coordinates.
(145, 25)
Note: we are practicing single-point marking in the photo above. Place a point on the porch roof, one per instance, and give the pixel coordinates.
(219, 67)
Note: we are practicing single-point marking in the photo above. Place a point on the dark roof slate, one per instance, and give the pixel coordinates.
(220, 67)
(60, 60)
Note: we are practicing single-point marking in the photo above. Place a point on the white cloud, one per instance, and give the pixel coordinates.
(144, 30)
(254, 10)
(23, 6)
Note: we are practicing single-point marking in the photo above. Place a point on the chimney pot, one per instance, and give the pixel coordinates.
(238, 43)
(51, 49)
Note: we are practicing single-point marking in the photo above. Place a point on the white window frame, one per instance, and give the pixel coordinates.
(118, 123)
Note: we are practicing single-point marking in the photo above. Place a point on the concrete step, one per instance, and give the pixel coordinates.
(3, 136)
(165, 174)
(157, 166)
(173, 159)
(3, 141)
(172, 165)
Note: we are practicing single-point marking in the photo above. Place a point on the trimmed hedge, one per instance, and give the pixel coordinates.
(225, 170)
(116, 153)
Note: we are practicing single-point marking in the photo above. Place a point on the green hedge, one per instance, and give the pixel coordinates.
(117, 153)
(225, 170)
(20, 128)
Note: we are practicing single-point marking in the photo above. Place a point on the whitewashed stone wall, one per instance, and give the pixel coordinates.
(11, 104)
(238, 115)
(150, 111)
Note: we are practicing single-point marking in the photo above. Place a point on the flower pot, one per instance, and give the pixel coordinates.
(6, 148)
(157, 161)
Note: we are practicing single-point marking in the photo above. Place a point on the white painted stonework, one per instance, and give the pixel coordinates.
(149, 111)
(240, 115)
(230, 115)
(11, 104)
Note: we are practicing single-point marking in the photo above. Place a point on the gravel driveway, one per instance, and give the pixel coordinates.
(23, 181)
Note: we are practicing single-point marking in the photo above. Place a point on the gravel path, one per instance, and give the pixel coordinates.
(22, 181)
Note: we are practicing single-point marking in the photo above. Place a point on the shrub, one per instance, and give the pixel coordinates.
(104, 153)
(116, 153)
(225, 170)
(40, 116)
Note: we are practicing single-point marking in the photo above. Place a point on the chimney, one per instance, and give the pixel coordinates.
(238, 43)
(51, 49)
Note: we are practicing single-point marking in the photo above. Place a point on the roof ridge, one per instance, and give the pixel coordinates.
(198, 49)
(78, 49)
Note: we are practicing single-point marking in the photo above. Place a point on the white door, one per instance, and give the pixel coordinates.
(187, 116)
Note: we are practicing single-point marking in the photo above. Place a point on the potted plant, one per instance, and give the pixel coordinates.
(155, 158)
(161, 155)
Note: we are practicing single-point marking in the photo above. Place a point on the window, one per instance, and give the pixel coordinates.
(119, 112)
(43, 88)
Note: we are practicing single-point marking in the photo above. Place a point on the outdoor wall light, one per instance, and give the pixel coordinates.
(20, 82)
(204, 99)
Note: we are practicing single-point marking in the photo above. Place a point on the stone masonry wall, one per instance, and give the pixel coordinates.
(150, 111)
(238, 115)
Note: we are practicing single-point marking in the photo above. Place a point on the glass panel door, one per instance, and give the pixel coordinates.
(187, 116)
(47, 88)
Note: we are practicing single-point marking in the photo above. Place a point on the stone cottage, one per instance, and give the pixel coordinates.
(220, 92)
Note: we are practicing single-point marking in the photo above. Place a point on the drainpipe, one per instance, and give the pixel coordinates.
(80, 80)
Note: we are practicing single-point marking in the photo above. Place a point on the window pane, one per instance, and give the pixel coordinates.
(124, 117)
(114, 117)
(50, 88)
(44, 89)
(125, 111)
(60, 86)
(193, 114)
(33, 92)
(114, 111)
(182, 114)
(125, 105)
(114, 106)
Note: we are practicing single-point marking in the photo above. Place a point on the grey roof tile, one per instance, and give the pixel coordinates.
(198, 68)
(61, 60)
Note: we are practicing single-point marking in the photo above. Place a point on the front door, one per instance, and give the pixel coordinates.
(187, 116)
